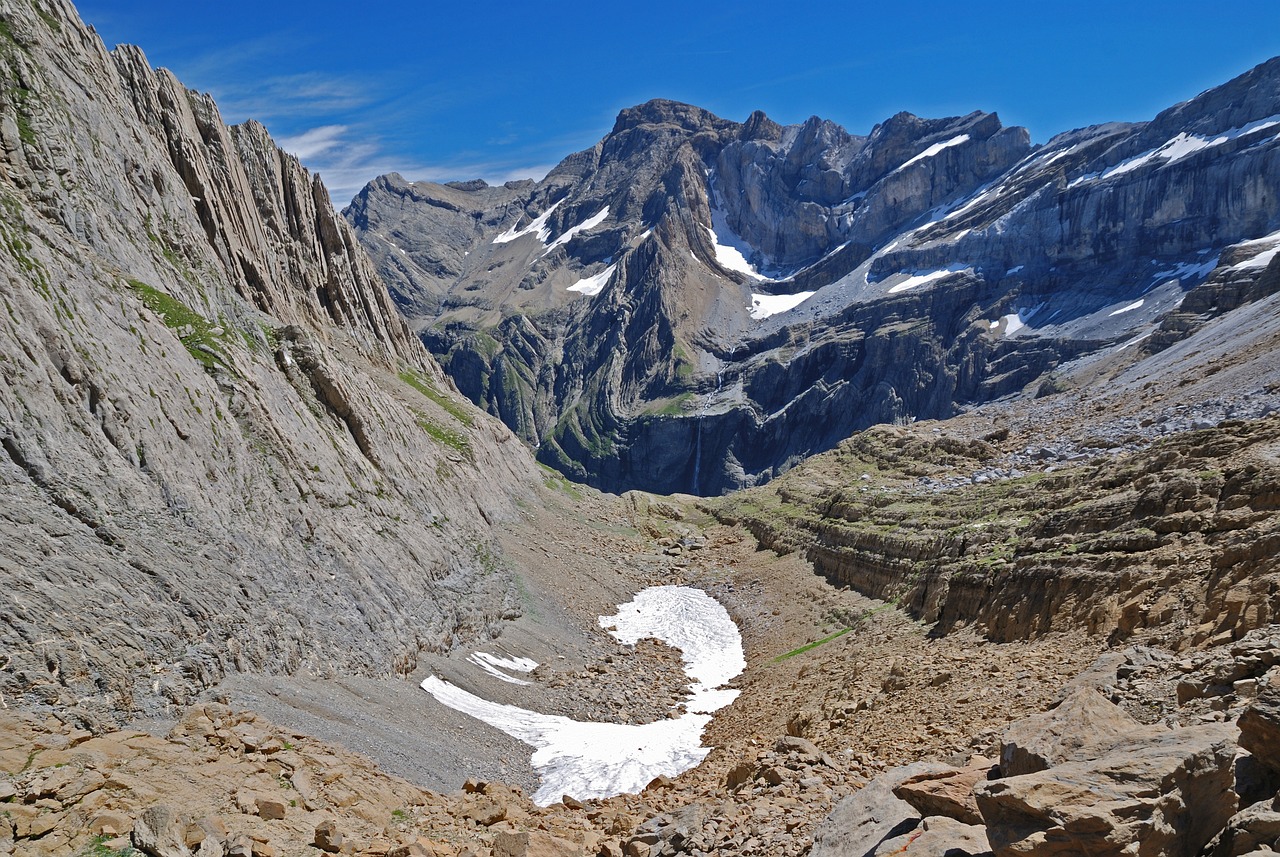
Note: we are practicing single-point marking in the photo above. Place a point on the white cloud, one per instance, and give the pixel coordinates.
(313, 143)
(347, 162)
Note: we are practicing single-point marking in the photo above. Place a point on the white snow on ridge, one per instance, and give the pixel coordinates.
(1181, 146)
(935, 149)
(588, 760)
(763, 306)
(920, 278)
(593, 285)
(537, 227)
(494, 666)
(1264, 250)
(731, 251)
(589, 223)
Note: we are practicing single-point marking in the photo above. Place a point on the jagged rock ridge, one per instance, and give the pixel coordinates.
(695, 304)
(223, 448)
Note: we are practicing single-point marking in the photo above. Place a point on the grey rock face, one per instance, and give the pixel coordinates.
(614, 313)
(211, 462)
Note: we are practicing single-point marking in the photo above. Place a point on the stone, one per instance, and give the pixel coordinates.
(270, 808)
(158, 831)
(1166, 795)
(328, 837)
(110, 824)
(873, 814)
(939, 836)
(1260, 727)
(948, 793)
(1251, 828)
(1084, 725)
(533, 843)
(739, 774)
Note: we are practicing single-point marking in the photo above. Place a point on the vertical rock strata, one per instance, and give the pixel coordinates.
(223, 449)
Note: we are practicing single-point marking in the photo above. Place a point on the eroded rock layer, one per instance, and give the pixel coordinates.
(223, 448)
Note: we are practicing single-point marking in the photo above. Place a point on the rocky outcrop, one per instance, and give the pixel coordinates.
(1168, 537)
(223, 448)
(1168, 796)
(640, 314)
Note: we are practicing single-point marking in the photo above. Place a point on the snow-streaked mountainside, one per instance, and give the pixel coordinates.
(694, 304)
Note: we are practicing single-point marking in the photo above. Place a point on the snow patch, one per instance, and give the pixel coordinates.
(589, 223)
(586, 759)
(1181, 146)
(763, 306)
(594, 284)
(1188, 269)
(495, 666)
(1129, 308)
(920, 278)
(537, 227)
(936, 148)
(1264, 250)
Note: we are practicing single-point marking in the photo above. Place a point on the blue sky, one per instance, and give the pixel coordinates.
(454, 90)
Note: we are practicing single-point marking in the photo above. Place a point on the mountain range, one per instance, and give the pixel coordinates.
(696, 304)
(996, 424)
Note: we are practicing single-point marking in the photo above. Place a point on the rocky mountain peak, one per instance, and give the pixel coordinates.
(660, 111)
(760, 127)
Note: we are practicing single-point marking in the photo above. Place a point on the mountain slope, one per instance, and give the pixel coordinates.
(695, 304)
(224, 450)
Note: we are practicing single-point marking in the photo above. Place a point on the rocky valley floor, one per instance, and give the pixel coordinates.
(839, 692)
(819, 717)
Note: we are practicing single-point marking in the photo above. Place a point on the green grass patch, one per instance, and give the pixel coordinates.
(50, 21)
(808, 646)
(426, 388)
(195, 331)
(674, 407)
(98, 847)
(443, 434)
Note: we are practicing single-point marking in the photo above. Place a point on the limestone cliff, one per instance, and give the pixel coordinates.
(695, 304)
(224, 449)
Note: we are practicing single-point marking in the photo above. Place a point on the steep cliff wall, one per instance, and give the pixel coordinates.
(224, 449)
(636, 314)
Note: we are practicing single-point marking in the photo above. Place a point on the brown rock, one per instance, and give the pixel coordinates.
(1084, 725)
(158, 831)
(1260, 727)
(486, 812)
(947, 793)
(1163, 797)
(743, 772)
(534, 843)
(328, 837)
(110, 824)
(270, 808)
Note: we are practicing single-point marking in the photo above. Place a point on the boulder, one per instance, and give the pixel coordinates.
(533, 843)
(939, 836)
(1260, 727)
(1165, 796)
(947, 793)
(158, 831)
(1250, 829)
(1084, 725)
(871, 815)
(328, 837)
